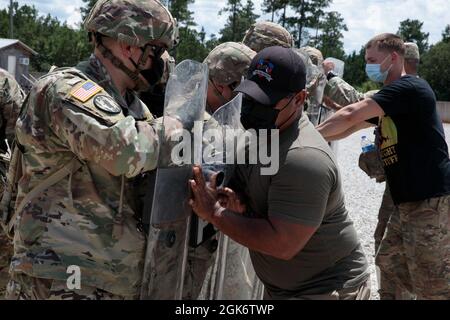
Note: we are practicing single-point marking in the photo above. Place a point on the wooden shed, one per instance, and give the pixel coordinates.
(15, 57)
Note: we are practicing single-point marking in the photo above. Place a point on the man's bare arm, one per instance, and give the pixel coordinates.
(348, 132)
(349, 116)
(273, 236)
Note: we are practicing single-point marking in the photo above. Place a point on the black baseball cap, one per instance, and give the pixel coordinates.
(274, 73)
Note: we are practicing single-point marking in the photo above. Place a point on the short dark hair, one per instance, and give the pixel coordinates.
(387, 42)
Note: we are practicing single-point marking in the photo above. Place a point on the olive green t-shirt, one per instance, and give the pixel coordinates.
(306, 190)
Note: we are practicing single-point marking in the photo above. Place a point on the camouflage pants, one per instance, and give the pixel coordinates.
(23, 287)
(415, 251)
(6, 252)
(388, 289)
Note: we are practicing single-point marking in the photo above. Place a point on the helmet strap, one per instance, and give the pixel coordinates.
(133, 75)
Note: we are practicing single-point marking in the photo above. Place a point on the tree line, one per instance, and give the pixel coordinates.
(310, 23)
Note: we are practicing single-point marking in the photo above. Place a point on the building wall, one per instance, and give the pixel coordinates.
(444, 110)
(20, 69)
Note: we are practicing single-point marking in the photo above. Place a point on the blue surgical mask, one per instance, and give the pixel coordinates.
(374, 72)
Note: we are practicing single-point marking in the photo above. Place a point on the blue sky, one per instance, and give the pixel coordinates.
(364, 18)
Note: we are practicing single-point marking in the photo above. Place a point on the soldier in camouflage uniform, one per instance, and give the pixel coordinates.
(267, 34)
(88, 122)
(11, 98)
(340, 94)
(227, 64)
(315, 55)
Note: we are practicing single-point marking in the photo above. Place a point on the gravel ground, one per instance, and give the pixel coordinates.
(363, 195)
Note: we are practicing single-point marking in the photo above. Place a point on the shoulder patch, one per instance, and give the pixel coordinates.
(86, 91)
(106, 104)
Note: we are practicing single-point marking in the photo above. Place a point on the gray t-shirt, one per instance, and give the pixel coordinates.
(306, 190)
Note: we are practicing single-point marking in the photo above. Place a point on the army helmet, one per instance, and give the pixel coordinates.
(228, 62)
(135, 22)
(412, 51)
(267, 34)
(315, 55)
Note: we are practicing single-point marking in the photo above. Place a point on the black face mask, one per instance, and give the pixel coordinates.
(258, 116)
(154, 74)
(255, 115)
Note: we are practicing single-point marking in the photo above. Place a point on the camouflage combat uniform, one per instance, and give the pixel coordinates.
(87, 219)
(267, 34)
(11, 98)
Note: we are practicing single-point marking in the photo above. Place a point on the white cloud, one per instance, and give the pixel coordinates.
(364, 18)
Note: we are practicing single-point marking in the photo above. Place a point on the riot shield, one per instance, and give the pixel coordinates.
(339, 66)
(180, 148)
(316, 90)
(232, 275)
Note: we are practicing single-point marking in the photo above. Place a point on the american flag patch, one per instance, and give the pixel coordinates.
(86, 91)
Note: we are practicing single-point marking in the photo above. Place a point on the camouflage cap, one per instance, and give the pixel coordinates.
(315, 55)
(267, 34)
(228, 62)
(412, 51)
(135, 22)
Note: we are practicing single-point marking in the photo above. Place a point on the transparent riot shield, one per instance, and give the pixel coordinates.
(324, 112)
(180, 148)
(339, 66)
(232, 275)
(316, 90)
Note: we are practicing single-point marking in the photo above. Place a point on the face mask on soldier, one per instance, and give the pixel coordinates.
(155, 73)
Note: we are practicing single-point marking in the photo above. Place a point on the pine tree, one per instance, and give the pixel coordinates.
(330, 39)
(307, 13)
(411, 31)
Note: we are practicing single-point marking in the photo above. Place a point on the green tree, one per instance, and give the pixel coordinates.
(55, 42)
(273, 6)
(355, 68)
(329, 41)
(89, 4)
(230, 31)
(239, 20)
(306, 16)
(436, 69)
(191, 46)
(446, 34)
(180, 11)
(411, 31)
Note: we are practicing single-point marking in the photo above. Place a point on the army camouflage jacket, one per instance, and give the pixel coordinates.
(341, 92)
(11, 98)
(78, 112)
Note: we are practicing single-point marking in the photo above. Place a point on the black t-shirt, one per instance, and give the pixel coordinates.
(413, 147)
